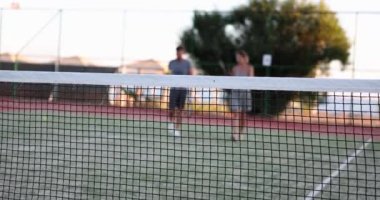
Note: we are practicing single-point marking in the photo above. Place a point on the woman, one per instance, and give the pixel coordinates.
(241, 100)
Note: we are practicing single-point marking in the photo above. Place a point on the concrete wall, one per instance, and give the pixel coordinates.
(84, 93)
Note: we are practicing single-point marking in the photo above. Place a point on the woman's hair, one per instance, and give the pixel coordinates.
(242, 53)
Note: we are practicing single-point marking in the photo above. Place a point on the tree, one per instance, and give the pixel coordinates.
(300, 36)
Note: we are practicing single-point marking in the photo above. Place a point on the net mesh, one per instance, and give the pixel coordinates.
(97, 136)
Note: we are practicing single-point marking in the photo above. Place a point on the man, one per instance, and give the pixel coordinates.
(177, 98)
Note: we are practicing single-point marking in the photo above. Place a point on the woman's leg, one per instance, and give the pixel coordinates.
(242, 122)
(236, 126)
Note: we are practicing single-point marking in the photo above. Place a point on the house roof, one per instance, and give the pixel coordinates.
(76, 61)
(69, 61)
(7, 57)
(143, 67)
(149, 66)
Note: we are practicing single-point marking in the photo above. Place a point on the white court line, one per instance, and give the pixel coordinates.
(342, 167)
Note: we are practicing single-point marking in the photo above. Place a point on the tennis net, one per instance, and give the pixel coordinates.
(111, 136)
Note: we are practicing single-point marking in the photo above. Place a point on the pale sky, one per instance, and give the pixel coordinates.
(93, 28)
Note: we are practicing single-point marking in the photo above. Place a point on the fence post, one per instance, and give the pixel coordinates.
(55, 92)
(14, 85)
(352, 115)
(1, 31)
(267, 63)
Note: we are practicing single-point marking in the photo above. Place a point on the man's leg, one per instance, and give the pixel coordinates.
(174, 124)
(179, 119)
(182, 95)
(171, 120)
(173, 96)
(172, 115)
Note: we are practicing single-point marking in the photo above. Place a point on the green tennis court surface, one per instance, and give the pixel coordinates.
(52, 154)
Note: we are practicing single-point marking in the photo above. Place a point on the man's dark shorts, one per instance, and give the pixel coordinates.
(177, 98)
